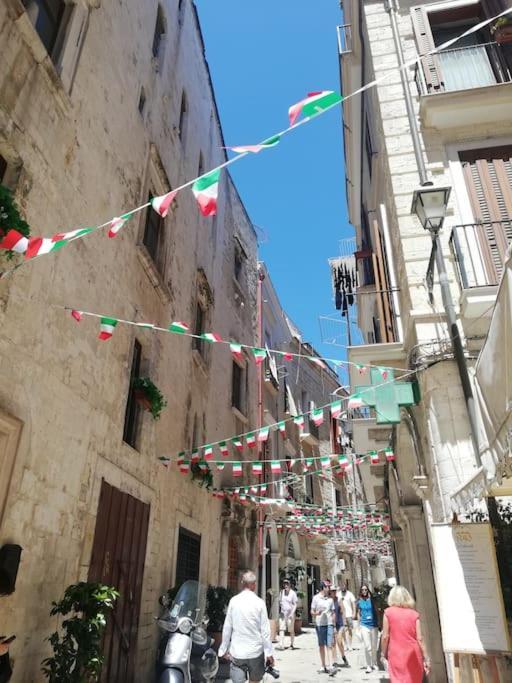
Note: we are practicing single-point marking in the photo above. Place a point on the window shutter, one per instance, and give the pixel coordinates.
(425, 43)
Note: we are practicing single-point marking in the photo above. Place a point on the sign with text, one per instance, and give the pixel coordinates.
(468, 589)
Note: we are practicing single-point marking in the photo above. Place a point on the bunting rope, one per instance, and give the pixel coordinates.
(205, 186)
(182, 329)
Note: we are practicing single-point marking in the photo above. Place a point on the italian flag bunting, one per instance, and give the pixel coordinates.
(236, 350)
(14, 241)
(361, 369)
(237, 469)
(355, 402)
(195, 456)
(335, 409)
(317, 415)
(220, 466)
(343, 460)
(251, 439)
(263, 488)
(263, 434)
(257, 468)
(224, 450)
(299, 421)
(208, 452)
(178, 327)
(259, 355)
(390, 456)
(183, 465)
(275, 466)
(237, 443)
(203, 466)
(37, 246)
(77, 315)
(117, 223)
(384, 372)
(211, 337)
(162, 204)
(325, 462)
(314, 103)
(287, 356)
(374, 457)
(107, 326)
(255, 149)
(282, 428)
(318, 361)
(206, 190)
(72, 234)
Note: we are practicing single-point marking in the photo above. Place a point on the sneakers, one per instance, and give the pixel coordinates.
(368, 670)
(345, 660)
(332, 672)
(375, 668)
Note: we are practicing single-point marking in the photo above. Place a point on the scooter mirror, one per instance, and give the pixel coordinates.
(164, 600)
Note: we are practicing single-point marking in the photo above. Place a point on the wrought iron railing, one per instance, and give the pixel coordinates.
(479, 250)
(464, 68)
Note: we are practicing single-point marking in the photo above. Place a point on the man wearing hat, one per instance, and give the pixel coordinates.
(287, 609)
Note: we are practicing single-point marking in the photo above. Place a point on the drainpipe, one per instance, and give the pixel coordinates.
(392, 8)
(261, 516)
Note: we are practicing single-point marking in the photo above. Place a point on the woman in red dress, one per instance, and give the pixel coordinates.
(401, 642)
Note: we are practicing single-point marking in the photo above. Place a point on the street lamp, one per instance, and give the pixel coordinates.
(429, 203)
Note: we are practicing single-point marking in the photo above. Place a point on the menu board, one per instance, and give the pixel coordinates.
(468, 589)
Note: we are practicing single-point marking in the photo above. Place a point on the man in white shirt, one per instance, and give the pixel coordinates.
(349, 610)
(322, 609)
(287, 609)
(246, 638)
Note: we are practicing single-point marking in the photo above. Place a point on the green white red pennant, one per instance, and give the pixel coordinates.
(275, 466)
(208, 452)
(237, 443)
(211, 337)
(220, 465)
(263, 434)
(236, 350)
(317, 416)
(325, 462)
(257, 468)
(107, 326)
(162, 204)
(335, 409)
(116, 224)
(206, 191)
(314, 103)
(195, 457)
(389, 453)
(255, 149)
(374, 457)
(259, 355)
(237, 469)
(178, 327)
(224, 450)
(14, 241)
(282, 428)
(251, 439)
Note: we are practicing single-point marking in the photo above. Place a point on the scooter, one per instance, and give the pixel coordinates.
(185, 653)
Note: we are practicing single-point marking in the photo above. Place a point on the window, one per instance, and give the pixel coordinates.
(188, 557)
(239, 263)
(199, 344)
(339, 501)
(142, 101)
(47, 17)
(159, 32)
(153, 235)
(183, 117)
(237, 387)
(132, 415)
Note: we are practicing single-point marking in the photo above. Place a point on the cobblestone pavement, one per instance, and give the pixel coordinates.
(302, 664)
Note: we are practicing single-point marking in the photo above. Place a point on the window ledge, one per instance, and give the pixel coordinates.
(200, 361)
(239, 415)
(153, 274)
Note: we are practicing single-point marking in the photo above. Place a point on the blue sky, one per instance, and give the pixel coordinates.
(265, 56)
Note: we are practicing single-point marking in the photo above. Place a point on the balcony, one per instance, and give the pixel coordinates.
(465, 86)
(479, 251)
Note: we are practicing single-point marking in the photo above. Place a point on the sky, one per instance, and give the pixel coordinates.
(265, 56)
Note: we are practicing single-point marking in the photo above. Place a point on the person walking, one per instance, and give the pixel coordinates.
(402, 641)
(349, 612)
(322, 609)
(366, 612)
(338, 629)
(287, 609)
(246, 638)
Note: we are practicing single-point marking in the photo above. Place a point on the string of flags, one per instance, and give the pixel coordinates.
(205, 187)
(259, 354)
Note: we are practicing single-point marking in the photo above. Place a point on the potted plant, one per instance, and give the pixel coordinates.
(149, 396)
(10, 218)
(502, 31)
(202, 473)
(77, 656)
(217, 600)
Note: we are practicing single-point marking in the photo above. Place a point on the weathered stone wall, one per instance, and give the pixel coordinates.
(87, 154)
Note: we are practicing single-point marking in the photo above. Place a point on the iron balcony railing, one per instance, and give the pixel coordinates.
(479, 250)
(344, 39)
(463, 68)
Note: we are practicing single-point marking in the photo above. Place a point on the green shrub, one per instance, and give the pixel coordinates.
(10, 218)
(152, 393)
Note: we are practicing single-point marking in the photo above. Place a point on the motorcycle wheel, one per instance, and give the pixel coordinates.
(171, 676)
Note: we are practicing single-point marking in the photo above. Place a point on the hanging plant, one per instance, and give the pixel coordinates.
(77, 656)
(203, 475)
(10, 218)
(502, 31)
(149, 396)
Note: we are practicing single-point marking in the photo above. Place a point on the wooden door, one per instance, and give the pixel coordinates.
(118, 555)
(488, 175)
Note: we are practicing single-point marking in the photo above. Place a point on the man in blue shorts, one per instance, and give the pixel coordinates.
(322, 609)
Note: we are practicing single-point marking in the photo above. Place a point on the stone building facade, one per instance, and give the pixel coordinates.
(459, 103)
(101, 106)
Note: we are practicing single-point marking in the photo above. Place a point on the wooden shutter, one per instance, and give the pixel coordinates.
(425, 43)
(488, 174)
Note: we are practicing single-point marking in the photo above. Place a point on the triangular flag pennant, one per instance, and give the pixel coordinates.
(317, 415)
(211, 337)
(178, 327)
(282, 428)
(335, 409)
(275, 466)
(237, 469)
(259, 355)
(224, 450)
(77, 315)
(390, 455)
(184, 466)
(162, 204)
(203, 466)
(206, 190)
(37, 246)
(361, 369)
(251, 439)
(263, 489)
(374, 457)
(355, 402)
(236, 350)
(318, 361)
(263, 434)
(14, 241)
(107, 326)
(220, 466)
(208, 452)
(116, 224)
(287, 356)
(299, 421)
(255, 149)
(237, 443)
(195, 457)
(384, 372)
(254, 489)
(314, 103)
(325, 462)
(257, 468)
(343, 460)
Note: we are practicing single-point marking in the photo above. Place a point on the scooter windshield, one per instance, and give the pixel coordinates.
(190, 602)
